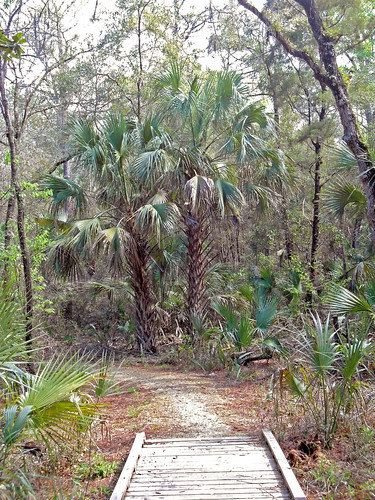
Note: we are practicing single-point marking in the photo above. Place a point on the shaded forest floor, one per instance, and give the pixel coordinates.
(166, 402)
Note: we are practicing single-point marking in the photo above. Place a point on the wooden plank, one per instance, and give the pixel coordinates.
(244, 439)
(211, 496)
(137, 485)
(284, 467)
(207, 489)
(189, 450)
(129, 467)
(174, 459)
(199, 492)
(208, 476)
(234, 481)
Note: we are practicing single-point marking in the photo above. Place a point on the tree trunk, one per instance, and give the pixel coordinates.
(68, 176)
(330, 76)
(284, 213)
(7, 239)
(356, 232)
(146, 321)
(15, 182)
(287, 233)
(316, 213)
(196, 266)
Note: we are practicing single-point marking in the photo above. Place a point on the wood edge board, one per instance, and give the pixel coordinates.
(205, 439)
(284, 467)
(129, 467)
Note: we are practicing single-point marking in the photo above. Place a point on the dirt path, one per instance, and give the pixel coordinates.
(189, 399)
(167, 402)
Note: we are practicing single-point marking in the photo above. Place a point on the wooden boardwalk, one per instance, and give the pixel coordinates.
(207, 468)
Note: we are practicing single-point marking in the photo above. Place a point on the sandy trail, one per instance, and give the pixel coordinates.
(188, 399)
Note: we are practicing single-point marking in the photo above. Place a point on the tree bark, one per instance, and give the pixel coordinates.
(146, 324)
(67, 174)
(15, 182)
(138, 257)
(7, 239)
(330, 76)
(196, 267)
(316, 212)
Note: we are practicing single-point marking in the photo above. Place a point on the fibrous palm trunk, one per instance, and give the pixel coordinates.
(196, 234)
(146, 320)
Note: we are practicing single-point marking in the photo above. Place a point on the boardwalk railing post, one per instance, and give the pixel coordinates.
(284, 467)
(129, 467)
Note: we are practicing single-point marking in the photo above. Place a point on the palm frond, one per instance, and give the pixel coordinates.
(342, 301)
(199, 191)
(265, 313)
(322, 351)
(230, 197)
(154, 218)
(342, 157)
(341, 194)
(170, 78)
(150, 165)
(263, 196)
(353, 353)
(86, 143)
(63, 190)
(117, 129)
(14, 424)
(230, 91)
(64, 261)
(51, 394)
(13, 346)
(83, 236)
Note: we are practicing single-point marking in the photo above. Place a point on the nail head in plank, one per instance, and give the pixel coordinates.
(283, 464)
(129, 467)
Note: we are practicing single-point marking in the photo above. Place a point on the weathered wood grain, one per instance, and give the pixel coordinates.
(129, 467)
(237, 467)
(284, 467)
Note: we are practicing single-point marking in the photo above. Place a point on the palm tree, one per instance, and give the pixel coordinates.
(212, 131)
(129, 220)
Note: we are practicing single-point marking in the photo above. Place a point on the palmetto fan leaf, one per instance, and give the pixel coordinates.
(151, 165)
(263, 196)
(13, 347)
(342, 157)
(171, 78)
(52, 394)
(253, 114)
(353, 352)
(83, 235)
(342, 194)
(87, 145)
(342, 301)
(321, 350)
(230, 92)
(63, 190)
(117, 129)
(265, 313)
(239, 328)
(230, 197)
(199, 191)
(153, 218)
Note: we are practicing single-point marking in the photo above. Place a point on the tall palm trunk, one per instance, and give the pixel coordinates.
(146, 320)
(196, 235)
